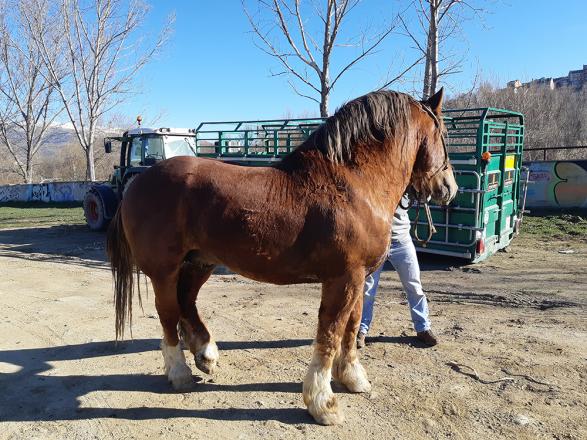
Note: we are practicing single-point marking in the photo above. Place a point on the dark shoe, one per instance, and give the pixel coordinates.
(427, 337)
(361, 340)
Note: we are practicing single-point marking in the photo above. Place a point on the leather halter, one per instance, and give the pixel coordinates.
(420, 200)
(444, 165)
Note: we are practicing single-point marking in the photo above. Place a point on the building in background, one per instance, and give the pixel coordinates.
(575, 79)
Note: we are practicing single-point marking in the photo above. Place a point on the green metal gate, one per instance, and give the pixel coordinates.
(253, 142)
(485, 150)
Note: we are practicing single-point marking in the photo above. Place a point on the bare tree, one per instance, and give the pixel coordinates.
(553, 118)
(439, 21)
(304, 55)
(102, 53)
(27, 97)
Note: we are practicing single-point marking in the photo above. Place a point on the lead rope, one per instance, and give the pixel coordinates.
(431, 228)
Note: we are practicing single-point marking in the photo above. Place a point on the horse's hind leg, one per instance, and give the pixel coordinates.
(338, 300)
(192, 276)
(347, 369)
(176, 369)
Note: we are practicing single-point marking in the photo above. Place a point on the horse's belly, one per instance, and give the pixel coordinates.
(291, 271)
(276, 277)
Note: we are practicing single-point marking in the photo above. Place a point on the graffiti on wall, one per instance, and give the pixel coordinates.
(45, 192)
(557, 184)
(12, 193)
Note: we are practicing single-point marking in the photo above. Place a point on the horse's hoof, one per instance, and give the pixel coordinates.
(326, 412)
(180, 377)
(360, 386)
(352, 376)
(207, 358)
(329, 419)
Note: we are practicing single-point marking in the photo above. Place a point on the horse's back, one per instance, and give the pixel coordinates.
(258, 221)
(241, 217)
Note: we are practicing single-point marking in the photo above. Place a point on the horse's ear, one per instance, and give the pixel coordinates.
(435, 102)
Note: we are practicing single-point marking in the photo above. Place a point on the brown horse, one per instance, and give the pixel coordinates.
(321, 215)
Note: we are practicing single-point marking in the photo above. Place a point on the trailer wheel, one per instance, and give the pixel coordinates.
(94, 211)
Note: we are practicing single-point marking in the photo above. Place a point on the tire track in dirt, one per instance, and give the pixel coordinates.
(505, 300)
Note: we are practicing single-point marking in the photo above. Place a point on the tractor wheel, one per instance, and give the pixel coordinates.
(94, 212)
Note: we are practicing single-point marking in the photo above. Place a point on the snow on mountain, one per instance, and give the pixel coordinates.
(59, 135)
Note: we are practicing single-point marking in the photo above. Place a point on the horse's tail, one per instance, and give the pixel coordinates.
(122, 265)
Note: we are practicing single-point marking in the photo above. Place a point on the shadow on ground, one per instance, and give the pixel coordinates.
(35, 392)
(76, 244)
(68, 244)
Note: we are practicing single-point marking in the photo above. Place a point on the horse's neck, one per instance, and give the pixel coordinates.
(380, 175)
(387, 172)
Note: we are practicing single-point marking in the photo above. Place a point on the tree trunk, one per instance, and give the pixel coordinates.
(426, 87)
(90, 169)
(324, 103)
(431, 68)
(30, 127)
(324, 89)
(433, 48)
(325, 76)
(29, 168)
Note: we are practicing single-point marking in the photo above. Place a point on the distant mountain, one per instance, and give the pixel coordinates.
(59, 135)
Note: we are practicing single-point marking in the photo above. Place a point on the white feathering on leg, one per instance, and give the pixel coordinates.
(318, 396)
(352, 375)
(176, 368)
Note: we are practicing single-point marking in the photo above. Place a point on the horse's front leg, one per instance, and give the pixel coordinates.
(347, 369)
(338, 300)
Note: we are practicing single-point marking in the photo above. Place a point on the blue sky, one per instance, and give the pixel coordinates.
(211, 70)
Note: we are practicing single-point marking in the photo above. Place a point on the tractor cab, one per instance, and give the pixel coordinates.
(141, 148)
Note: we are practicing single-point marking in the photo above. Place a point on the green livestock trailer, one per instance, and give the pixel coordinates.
(485, 150)
(252, 142)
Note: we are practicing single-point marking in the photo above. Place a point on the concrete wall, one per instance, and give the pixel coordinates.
(44, 192)
(557, 184)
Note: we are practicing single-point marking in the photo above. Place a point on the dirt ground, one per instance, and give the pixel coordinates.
(518, 320)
